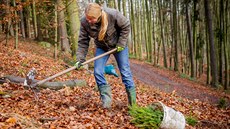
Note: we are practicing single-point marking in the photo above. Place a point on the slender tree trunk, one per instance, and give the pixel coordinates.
(62, 27)
(16, 27)
(124, 7)
(115, 4)
(145, 28)
(176, 64)
(133, 27)
(220, 44)
(153, 33)
(172, 37)
(22, 24)
(72, 10)
(27, 19)
(149, 30)
(8, 23)
(39, 35)
(189, 30)
(195, 18)
(139, 51)
(56, 25)
(226, 49)
(34, 19)
(208, 55)
(162, 32)
(208, 17)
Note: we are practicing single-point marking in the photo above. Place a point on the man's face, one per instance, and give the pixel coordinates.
(91, 20)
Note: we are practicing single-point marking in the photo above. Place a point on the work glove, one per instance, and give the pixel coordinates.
(119, 48)
(78, 65)
(109, 69)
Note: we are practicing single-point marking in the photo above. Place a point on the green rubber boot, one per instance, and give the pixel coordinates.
(131, 92)
(105, 94)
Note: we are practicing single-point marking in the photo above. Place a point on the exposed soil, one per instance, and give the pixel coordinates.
(168, 81)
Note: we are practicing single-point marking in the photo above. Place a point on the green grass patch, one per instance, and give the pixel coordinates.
(222, 103)
(132, 56)
(183, 75)
(191, 120)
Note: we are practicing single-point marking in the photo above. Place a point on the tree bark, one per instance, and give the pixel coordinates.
(189, 30)
(22, 23)
(124, 7)
(221, 37)
(162, 32)
(34, 18)
(16, 27)
(62, 27)
(176, 65)
(213, 60)
(73, 15)
(226, 49)
(27, 19)
(133, 31)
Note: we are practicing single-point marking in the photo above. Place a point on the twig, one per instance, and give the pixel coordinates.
(47, 119)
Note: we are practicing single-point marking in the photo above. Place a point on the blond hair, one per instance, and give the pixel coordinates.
(95, 10)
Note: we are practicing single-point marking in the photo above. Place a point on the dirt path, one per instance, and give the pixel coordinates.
(147, 74)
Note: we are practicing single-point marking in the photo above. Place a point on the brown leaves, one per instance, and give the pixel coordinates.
(80, 107)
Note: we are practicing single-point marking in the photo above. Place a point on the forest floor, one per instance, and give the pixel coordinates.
(80, 107)
(170, 81)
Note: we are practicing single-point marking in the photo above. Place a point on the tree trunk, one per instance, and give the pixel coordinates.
(8, 23)
(208, 17)
(115, 4)
(176, 64)
(172, 37)
(73, 15)
(16, 27)
(162, 32)
(226, 49)
(27, 19)
(124, 7)
(139, 45)
(132, 21)
(34, 18)
(220, 44)
(39, 28)
(208, 55)
(119, 5)
(153, 33)
(189, 30)
(22, 23)
(195, 18)
(62, 27)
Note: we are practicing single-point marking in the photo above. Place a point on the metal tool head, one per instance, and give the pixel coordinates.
(30, 77)
(29, 82)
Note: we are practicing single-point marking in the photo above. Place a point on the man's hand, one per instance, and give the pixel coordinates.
(119, 48)
(78, 65)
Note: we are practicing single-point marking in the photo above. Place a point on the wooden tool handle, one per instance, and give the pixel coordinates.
(72, 68)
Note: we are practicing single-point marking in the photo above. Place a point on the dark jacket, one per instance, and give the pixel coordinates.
(116, 34)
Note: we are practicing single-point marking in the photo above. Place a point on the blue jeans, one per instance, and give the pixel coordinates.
(122, 59)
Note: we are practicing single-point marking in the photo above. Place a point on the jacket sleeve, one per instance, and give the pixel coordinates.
(123, 25)
(83, 43)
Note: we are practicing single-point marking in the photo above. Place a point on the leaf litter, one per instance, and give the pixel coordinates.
(80, 107)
